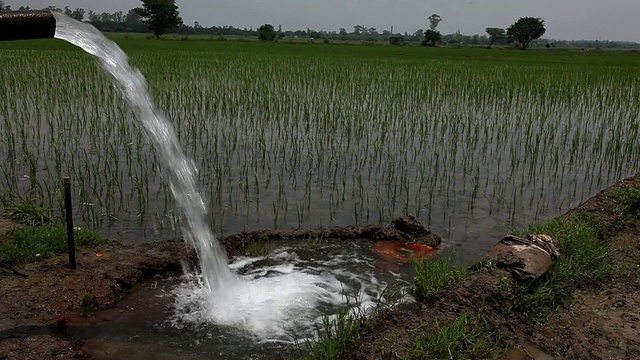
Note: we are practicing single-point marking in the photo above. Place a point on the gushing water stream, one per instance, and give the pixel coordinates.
(271, 300)
(181, 172)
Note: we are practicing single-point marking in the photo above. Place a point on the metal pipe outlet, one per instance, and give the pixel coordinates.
(32, 24)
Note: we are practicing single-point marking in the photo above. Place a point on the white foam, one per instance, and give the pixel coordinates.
(280, 302)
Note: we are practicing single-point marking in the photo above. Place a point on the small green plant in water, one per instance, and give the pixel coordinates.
(257, 249)
(434, 276)
(31, 243)
(339, 333)
(26, 212)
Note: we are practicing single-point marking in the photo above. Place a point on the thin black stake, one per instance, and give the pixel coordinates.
(70, 241)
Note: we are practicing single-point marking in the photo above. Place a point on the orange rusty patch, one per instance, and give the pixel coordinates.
(400, 253)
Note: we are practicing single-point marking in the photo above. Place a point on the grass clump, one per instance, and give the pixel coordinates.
(469, 337)
(26, 212)
(30, 243)
(257, 249)
(628, 200)
(583, 261)
(338, 334)
(434, 276)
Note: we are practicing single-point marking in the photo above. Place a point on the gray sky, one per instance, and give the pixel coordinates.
(564, 19)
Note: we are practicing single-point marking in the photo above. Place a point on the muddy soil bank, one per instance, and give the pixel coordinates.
(34, 309)
(601, 321)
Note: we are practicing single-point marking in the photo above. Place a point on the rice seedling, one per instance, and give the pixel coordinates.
(26, 212)
(314, 135)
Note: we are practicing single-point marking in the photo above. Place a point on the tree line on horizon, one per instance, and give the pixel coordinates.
(133, 21)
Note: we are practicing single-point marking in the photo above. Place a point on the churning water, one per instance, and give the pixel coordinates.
(276, 304)
(270, 297)
(283, 296)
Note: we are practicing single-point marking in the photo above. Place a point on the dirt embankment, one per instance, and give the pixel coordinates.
(601, 322)
(33, 308)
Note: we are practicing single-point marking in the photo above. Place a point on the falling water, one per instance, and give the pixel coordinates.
(180, 170)
(283, 295)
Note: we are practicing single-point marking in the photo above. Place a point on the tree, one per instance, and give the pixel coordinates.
(4, 7)
(431, 37)
(118, 16)
(267, 33)
(77, 14)
(53, 8)
(525, 30)
(132, 16)
(495, 34)
(93, 16)
(434, 20)
(160, 15)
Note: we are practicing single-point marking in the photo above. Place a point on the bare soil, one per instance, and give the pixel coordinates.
(601, 322)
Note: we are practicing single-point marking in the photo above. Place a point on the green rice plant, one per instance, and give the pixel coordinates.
(468, 337)
(26, 212)
(257, 249)
(583, 261)
(29, 243)
(370, 133)
(436, 275)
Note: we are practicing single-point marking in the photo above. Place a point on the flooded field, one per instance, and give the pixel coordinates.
(470, 141)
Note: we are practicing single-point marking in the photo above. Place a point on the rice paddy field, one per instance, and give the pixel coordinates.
(471, 141)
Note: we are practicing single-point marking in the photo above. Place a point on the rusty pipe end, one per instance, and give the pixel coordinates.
(31, 24)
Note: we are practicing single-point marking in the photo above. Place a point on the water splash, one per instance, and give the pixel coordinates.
(283, 297)
(181, 172)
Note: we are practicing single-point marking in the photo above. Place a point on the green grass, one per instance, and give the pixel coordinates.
(26, 212)
(469, 337)
(137, 43)
(434, 276)
(341, 332)
(583, 262)
(338, 334)
(628, 200)
(25, 243)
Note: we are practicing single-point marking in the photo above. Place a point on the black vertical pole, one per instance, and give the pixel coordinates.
(70, 241)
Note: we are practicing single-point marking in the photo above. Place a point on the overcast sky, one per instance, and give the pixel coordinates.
(564, 19)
